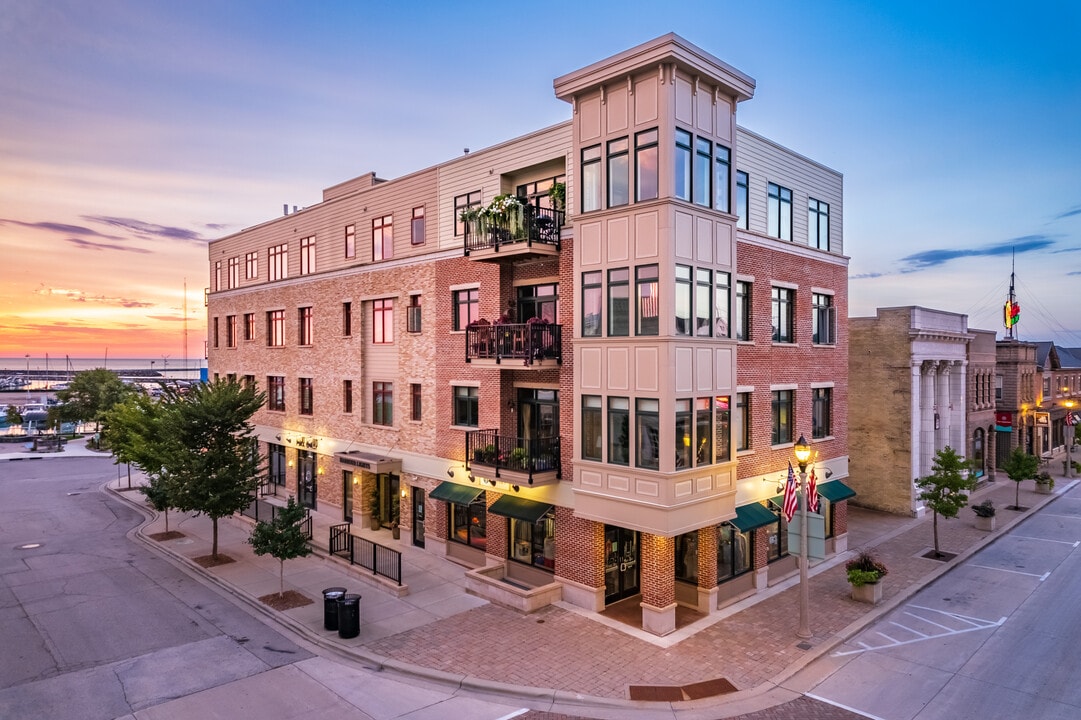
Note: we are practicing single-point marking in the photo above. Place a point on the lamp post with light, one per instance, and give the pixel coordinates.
(803, 454)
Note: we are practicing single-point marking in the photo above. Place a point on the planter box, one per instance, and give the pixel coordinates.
(1043, 488)
(870, 593)
(985, 523)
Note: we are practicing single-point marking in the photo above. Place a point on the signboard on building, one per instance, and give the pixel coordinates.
(1003, 421)
(1042, 419)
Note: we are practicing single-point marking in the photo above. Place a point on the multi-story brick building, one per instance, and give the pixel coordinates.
(575, 362)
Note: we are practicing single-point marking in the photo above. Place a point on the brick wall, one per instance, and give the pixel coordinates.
(658, 563)
(579, 549)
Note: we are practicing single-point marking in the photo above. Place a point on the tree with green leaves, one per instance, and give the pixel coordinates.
(131, 430)
(90, 395)
(1020, 466)
(12, 415)
(282, 538)
(209, 450)
(944, 489)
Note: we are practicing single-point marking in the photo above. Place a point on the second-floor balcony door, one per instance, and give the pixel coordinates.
(538, 301)
(538, 413)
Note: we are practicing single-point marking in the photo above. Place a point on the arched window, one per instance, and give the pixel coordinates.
(977, 452)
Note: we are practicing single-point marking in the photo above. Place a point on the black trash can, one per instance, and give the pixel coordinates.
(330, 607)
(348, 616)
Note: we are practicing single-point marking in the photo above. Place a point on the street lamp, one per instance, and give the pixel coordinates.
(803, 454)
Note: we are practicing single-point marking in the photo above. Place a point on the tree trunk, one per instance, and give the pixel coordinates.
(214, 546)
(166, 519)
(1016, 494)
(281, 578)
(934, 523)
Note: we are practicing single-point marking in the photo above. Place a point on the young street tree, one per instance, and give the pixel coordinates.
(132, 429)
(89, 396)
(281, 538)
(1020, 466)
(944, 489)
(210, 454)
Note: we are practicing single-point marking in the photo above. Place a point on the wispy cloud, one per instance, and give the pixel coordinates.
(60, 228)
(866, 276)
(1069, 213)
(82, 297)
(934, 258)
(91, 245)
(147, 230)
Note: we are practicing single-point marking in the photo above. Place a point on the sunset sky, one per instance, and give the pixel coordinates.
(134, 131)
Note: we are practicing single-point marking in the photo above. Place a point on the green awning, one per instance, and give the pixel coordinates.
(749, 517)
(455, 493)
(835, 491)
(519, 508)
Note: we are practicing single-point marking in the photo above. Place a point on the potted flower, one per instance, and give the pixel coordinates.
(373, 505)
(864, 573)
(1045, 484)
(558, 195)
(985, 515)
(395, 522)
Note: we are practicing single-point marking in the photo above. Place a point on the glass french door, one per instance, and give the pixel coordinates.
(621, 570)
(347, 496)
(418, 517)
(306, 487)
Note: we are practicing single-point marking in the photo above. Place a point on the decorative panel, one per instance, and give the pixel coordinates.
(619, 482)
(619, 369)
(646, 369)
(703, 484)
(589, 240)
(724, 360)
(704, 118)
(645, 100)
(590, 370)
(684, 370)
(683, 488)
(724, 244)
(618, 242)
(648, 488)
(683, 240)
(591, 478)
(703, 240)
(645, 235)
(589, 118)
(684, 109)
(703, 369)
(723, 110)
(616, 105)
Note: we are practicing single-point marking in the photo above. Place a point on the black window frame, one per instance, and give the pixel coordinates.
(618, 168)
(782, 404)
(466, 406)
(646, 145)
(778, 211)
(782, 314)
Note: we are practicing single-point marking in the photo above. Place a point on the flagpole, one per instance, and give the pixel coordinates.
(803, 454)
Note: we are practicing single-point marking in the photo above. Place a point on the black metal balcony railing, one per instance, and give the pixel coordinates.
(533, 225)
(530, 456)
(528, 342)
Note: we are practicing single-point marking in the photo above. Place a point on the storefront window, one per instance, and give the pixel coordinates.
(734, 549)
(687, 557)
(469, 523)
(776, 534)
(534, 543)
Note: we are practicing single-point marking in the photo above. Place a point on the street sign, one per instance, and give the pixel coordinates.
(816, 536)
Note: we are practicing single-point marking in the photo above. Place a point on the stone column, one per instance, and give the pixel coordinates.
(942, 405)
(658, 581)
(927, 418)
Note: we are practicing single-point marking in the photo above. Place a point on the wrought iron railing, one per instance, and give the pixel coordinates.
(502, 452)
(528, 342)
(533, 225)
(381, 560)
(260, 510)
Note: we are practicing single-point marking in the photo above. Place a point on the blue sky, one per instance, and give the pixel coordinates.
(131, 132)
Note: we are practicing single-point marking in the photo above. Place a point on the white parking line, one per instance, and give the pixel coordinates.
(842, 706)
(1015, 572)
(1074, 543)
(968, 624)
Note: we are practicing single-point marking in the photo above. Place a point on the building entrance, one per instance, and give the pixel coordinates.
(306, 488)
(621, 573)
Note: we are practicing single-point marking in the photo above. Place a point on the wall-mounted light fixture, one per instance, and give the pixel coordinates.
(356, 480)
(472, 477)
(450, 472)
(514, 488)
(403, 492)
(322, 471)
(290, 463)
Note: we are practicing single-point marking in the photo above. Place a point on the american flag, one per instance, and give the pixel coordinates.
(812, 493)
(1071, 418)
(789, 507)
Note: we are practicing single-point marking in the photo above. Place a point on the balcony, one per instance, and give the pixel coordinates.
(532, 344)
(514, 460)
(522, 232)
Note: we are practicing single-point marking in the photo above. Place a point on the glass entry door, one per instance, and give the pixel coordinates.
(621, 573)
(418, 517)
(306, 490)
(347, 496)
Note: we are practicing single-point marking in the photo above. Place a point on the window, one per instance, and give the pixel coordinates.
(619, 175)
(306, 404)
(304, 326)
(779, 207)
(619, 289)
(734, 552)
(743, 311)
(619, 413)
(782, 315)
(821, 412)
(722, 416)
(234, 272)
(823, 320)
(591, 178)
(703, 291)
(538, 301)
(383, 321)
(781, 411)
(307, 255)
(646, 175)
(215, 332)
(684, 436)
(743, 421)
(534, 543)
(230, 331)
(276, 462)
(682, 187)
(591, 428)
(275, 392)
(722, 178)
(251, 266)
(648, 305)
(347, 319)
(818, 224)
(347, 396)
(722, 304)
(703, 432)
(647, 429)
(416, 226)
(412, 317)
(977, 451)
(742, 183)
(687, 557)
(463, 203)
(538, 192)
(683, 300)
(591, 304)
(415, 407)
(382, 403)
(249, 326)
(466, 307)
(469, 523)
(275, 328)
(703, 159)
(217, 276)
(383, 237)
(776, 535)
(466, 406)
(278, 262)
(351, 240)
(998, 387)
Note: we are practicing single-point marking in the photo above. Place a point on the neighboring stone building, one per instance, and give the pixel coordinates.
(575, 362)
(1015, 398)
(1060, 391)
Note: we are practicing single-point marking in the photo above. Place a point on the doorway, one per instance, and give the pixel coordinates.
(621, 572)
(418, 517)
(306, 482)
(347, 496)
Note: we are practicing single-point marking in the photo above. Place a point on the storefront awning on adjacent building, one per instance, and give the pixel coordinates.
(749, 517)
(519, 508)
(370, 461)
(835, 491)
(455, 493)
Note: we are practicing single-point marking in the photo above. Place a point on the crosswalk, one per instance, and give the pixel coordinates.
(917, 623)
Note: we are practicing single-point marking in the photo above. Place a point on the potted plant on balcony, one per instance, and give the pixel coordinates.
(508, 213)
(558, 195)
(985, 515)
(864, 573)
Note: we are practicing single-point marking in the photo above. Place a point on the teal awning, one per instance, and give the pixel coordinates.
(749, 517)
(835, 491)
(519, 508)
(455, 493)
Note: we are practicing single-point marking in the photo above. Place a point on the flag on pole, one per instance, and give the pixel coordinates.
(1071, 418)
(812, 492)
(789, 507)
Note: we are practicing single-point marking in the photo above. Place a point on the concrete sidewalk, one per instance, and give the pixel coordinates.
(567, 660)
